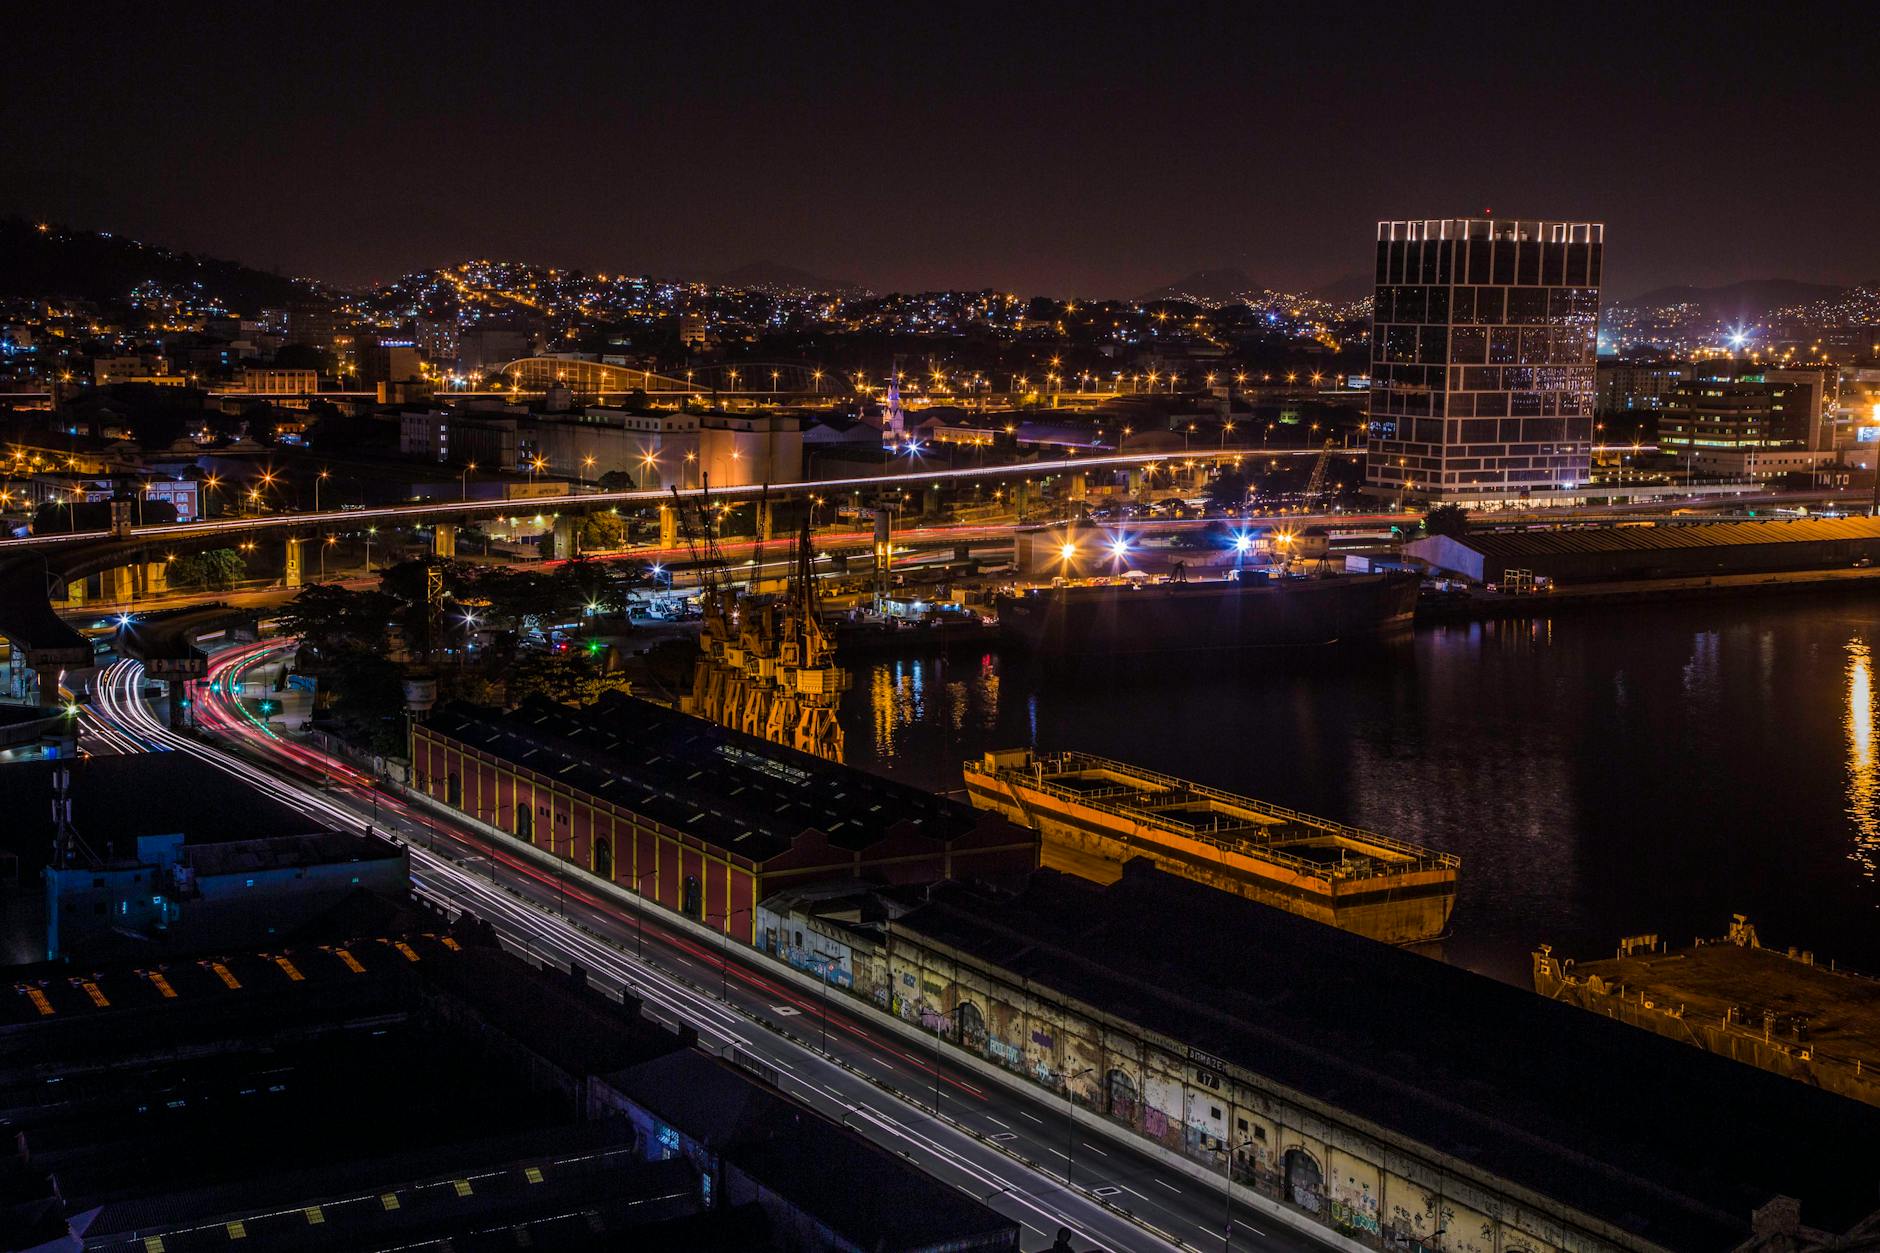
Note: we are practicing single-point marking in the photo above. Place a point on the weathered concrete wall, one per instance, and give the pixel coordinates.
(1356, 1180)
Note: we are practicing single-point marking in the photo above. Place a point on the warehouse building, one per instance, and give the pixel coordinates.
(1597, 555)
(700, 818)
(1400, 1101)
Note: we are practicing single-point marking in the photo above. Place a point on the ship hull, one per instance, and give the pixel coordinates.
(1180, 617)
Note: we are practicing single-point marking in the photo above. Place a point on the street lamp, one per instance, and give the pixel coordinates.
(825, 1003)
(323, 477)
(370, 532)
(463, 479)
(1228, 1150)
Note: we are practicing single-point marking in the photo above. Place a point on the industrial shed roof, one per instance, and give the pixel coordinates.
(743, 794)
(1678, 535)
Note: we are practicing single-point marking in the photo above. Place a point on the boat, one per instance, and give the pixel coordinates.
(1251, 611)
(1777, 1009)
(1093, 814)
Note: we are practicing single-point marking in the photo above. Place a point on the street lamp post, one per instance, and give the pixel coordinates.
(639, 915)
(825, 1007)
(370, 532)
(319, 479)
(463, 479)
(1227, 1236)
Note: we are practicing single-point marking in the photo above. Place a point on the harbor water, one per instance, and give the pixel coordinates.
(1601, 774)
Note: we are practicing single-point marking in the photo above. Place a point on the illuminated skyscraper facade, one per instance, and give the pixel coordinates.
(1482, 345)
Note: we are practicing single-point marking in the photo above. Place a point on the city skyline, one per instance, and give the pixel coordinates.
(1087, 158)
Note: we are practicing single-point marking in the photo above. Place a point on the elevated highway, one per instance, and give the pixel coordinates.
(424, 513)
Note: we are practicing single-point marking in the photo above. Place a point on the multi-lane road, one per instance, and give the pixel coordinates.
(1006, 1143)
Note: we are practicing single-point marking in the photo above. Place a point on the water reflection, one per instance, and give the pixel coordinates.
(911, 693)
(1863, 779)
(1600, 775)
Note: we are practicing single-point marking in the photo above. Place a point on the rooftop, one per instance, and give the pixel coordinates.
(117, 799)
(285, 852)
(743, 794)
(1499, 1079)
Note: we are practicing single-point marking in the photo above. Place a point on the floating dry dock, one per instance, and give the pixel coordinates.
(1780, 1010)
(1093, 814)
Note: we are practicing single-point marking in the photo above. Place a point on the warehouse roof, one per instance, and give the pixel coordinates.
(744, 794)
(1516, 544)
(1642, 1132)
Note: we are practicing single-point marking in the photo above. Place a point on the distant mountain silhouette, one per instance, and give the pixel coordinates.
(771, 274)
(1215, 287)
(1346, 290)
(92, 265)
(1751, 298)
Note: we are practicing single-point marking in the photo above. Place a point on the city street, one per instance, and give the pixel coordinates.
(1010, 1145)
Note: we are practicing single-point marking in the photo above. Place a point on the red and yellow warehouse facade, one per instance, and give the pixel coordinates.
(716, 886)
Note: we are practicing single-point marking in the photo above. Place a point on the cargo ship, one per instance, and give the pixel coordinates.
(1776, 1009)
(1093, 814)
(1252, 611)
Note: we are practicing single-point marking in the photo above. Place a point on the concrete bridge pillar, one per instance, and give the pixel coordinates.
(930, 501)
(291, 568)
(121, 584)
(1080, 486)
(766, 515)
(566, 528)
(884, 550)
(444, 540)
(668, 527)
(154, 576)
(1135, 481)
(1021, 497)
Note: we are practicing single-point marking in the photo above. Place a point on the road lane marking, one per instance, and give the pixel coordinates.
(1171, 1187)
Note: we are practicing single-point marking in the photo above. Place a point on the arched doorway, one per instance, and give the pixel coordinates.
(1122, 1091)
(525, 823)
(972, 1025)
(1305, 1182)
(604, 858)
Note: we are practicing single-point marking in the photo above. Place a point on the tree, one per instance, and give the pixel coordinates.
(616, 481)
(368, 695)
(215, 570)
(1228, 489)
(1450, 520)
(579, 583)
(603, 531)
(571, 678)
(331, 620)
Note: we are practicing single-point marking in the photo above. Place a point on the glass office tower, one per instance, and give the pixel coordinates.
(1482, 344)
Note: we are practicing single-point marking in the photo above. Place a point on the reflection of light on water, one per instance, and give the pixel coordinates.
(899, 698)
(1863, 779)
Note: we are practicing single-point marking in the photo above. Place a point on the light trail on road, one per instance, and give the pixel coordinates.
(996, 1143)
(354, 519)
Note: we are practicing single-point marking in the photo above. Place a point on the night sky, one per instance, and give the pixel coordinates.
(1077, 150)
